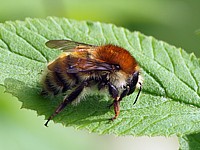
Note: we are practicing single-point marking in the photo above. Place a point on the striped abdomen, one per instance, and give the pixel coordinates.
(57, 80)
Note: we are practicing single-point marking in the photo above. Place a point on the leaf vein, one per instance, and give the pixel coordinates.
(101, 31)
(111, 28)
(40, 52)
(126, 38)
(112, 126)
(191, 73)
(139, 41)
(19, 54)
(153, 123)
(93, 130)
(133, 126)
(156, 79)
(176, 74)
(57, 25)
(115, 36)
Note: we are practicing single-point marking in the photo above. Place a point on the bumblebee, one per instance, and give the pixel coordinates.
(82, 67)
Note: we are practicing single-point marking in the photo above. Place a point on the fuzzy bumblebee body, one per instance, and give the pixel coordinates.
(82, 66)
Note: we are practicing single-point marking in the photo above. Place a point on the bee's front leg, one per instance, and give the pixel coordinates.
(116, 103)
(123, 94)
(116, 109)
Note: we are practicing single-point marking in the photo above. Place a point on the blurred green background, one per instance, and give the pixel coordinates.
(173, 21)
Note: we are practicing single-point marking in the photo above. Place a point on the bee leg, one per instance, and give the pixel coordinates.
(115, 94)
(123, 94)
(67, 101)
(116, 109)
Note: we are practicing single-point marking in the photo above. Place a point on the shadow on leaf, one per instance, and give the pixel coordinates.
(93, 109)
(190, 141)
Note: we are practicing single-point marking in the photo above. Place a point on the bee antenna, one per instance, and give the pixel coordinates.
(138, 93)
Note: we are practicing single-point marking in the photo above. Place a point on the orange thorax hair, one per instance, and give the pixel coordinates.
(117, 55)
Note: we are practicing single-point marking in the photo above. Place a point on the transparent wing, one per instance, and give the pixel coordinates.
(87, 65)
(79, 62)
(75, 65)
(67, 45)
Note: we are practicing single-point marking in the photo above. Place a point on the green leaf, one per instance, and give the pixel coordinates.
(190, 142)
(170, 99)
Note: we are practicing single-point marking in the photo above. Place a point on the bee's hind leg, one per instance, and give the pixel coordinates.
(67, 101)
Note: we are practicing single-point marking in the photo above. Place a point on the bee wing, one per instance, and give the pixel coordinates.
(80, 63)
(67, 45)
(77, 64)
(87, 65)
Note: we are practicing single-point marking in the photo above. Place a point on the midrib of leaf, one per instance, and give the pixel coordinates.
(158, 111)
(157, 69)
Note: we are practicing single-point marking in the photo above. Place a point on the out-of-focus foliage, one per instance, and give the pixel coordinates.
(173, 21)
(21, 129)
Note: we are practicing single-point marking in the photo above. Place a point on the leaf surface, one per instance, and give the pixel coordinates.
(170, 99)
